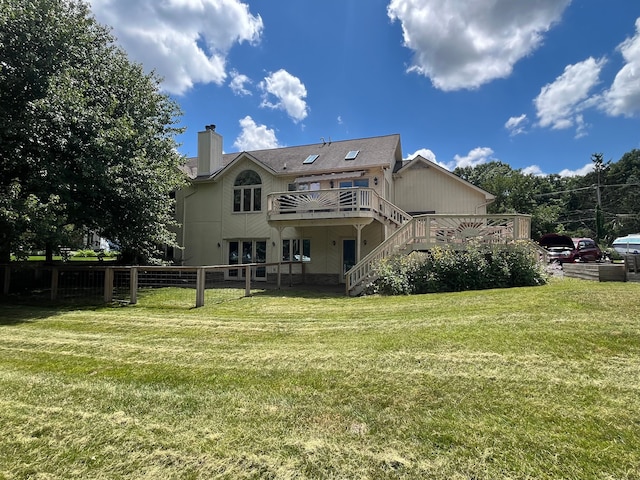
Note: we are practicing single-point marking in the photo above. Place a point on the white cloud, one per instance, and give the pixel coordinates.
(255, 137)
(184, 41)
(289, 93)
(429, 155)
(238, 82)
(474, 158)
(534, 170)
(424, 153)
(559, 102)
(516, 125)
(581, 126)
(623, 98)
(579, 172)
(467, 43)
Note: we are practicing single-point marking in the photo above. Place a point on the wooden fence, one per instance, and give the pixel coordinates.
(112, 282)
(605, 272)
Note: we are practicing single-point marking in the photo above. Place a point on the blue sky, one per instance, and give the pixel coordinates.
(540, 85)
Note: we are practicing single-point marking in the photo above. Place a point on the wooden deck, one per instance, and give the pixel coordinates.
(332, 207)
(361, 206)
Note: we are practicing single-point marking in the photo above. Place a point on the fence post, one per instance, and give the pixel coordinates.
(247, 281)
(108, 284)
(279, 275)
(54, 283)
(201, 276)
(7, 279)
(133, 285)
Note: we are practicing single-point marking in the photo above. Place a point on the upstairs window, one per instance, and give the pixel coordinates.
(247, 192)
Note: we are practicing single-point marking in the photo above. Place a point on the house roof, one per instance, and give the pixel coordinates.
(383, 151)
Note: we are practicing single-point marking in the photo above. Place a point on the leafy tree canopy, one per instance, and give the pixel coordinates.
(604, 204)
(87, 141)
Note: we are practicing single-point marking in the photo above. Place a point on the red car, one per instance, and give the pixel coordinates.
(564, 249)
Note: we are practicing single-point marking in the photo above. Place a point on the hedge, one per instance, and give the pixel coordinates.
(444, 269)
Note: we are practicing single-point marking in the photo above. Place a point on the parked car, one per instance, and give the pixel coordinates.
(564, 249)
(628, 245)
(587, 250)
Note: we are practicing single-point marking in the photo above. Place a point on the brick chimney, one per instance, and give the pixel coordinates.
(209, 151)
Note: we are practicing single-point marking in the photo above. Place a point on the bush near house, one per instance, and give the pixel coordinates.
(447, 270)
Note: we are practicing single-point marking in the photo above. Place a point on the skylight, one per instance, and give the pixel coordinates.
(310, 159)
(352, 155)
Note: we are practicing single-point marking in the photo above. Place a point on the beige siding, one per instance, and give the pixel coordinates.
(199, 212)
(421, 188)
(202, 246)
(209, 223)
(209, 219)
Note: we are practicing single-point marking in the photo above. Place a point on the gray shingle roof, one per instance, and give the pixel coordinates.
(374, 151)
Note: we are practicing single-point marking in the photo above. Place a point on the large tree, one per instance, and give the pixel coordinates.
(87, 139)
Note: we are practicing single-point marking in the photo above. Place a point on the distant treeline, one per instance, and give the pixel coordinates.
(603, 204)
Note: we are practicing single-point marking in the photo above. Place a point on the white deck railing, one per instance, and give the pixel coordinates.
(425, 232)
(334, 203)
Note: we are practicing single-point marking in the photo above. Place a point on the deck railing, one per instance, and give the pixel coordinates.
(334, 203)
(425, 232)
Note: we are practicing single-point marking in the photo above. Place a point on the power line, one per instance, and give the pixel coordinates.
(590, 187)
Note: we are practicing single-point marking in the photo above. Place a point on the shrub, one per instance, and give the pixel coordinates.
(85, 253)
(397, 275)
(447, 270)
(524, 267)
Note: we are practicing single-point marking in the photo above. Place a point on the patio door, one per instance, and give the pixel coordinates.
(348, 198)
(247, 251)
(348, 255)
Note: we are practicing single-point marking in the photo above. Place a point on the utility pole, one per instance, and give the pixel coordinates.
(598, 166)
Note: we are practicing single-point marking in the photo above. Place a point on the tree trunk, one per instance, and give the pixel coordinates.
(5, 253)
(48, 255)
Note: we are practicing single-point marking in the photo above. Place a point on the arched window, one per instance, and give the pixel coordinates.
(247, 192)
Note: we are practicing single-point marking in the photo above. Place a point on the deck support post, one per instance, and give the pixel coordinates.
(279, 253)
(358, 228)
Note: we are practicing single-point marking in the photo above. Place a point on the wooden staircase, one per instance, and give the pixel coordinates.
(425, 232)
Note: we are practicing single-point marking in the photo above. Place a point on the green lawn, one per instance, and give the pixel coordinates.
(58, 258)
(539, 382)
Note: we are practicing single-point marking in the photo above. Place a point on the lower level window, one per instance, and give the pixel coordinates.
(293, 248)
(247, 251)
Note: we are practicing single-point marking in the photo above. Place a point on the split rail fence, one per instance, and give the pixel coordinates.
(122, 283)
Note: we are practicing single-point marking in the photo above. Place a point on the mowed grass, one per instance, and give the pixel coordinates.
(522, 383)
